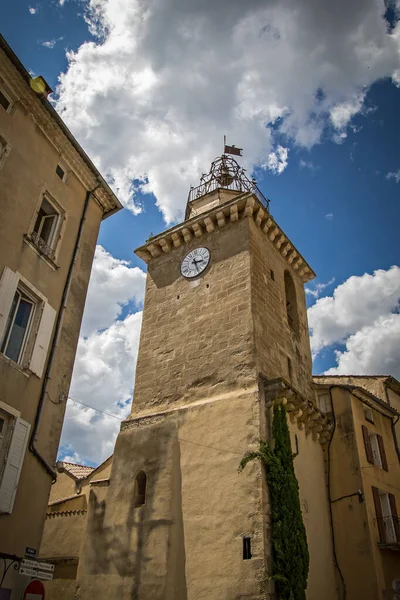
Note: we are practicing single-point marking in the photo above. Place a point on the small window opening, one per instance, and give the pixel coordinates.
(369, 415)
(4, 101)
(140, 489)
(324, 403)
(272, 275)
(45, 227)
(60, 172)
(296, 443)
(291, 303)
(246, 548)
(290, 369)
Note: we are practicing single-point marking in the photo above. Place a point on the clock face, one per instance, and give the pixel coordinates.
(195, 262)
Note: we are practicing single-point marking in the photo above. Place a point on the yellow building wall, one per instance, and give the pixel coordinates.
(26, 173)
(63, 487)
(386, 562)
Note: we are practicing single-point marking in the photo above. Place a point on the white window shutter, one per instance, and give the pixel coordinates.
(12, 470)
(8, 285)
(43, 336)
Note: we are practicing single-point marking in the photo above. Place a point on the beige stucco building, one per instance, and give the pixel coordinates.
(224, 336)
(52, 202)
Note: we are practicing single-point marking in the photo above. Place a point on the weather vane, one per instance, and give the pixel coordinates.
(232, 149)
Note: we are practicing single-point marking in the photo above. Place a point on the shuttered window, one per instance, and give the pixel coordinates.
(367, 444)
(14, 461)
(386, 516)
(38, 358)
(26, 323)
(374, 448)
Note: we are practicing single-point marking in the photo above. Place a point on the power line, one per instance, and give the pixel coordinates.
(164, 434)
(95, 409)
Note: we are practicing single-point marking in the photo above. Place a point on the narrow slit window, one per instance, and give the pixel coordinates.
(4, 101)
(140, 489)
(60, 172)
(291, 303)
(246, 548)
(369, 415)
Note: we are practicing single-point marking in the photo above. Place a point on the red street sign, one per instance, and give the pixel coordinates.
(34, 591)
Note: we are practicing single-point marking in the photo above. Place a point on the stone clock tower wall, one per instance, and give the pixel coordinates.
(197, 336)
(215, 353)
(280, 352)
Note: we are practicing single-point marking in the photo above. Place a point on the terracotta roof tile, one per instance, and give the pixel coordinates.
(77, 471)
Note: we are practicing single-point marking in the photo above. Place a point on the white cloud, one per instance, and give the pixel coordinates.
(318, 288)
(103, 378)
(113, 284)
(341, 114)
(33, 9)
(51, 43)
(277, 161)
(394, 175)
(167, 78)
(105, 361)
(373, 350)
(360, 302)
(329, 216)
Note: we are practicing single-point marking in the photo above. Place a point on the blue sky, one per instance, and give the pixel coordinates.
(337, 192)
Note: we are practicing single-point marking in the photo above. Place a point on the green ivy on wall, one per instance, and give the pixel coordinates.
(288, 537)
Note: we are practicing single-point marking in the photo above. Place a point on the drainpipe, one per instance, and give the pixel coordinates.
(344, 589)
(393, 424)
(32, 442)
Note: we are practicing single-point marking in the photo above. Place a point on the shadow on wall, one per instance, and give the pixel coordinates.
(134, 548)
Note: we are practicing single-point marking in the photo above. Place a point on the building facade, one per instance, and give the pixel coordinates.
(53, 200)
(224, 337)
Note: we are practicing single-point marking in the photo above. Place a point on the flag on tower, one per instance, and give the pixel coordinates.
(233, 150)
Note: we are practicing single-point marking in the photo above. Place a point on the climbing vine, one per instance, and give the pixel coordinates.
(288, 535)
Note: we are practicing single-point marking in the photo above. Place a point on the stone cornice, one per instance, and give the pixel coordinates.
(243, 206)
(300, 410)
(50, 123)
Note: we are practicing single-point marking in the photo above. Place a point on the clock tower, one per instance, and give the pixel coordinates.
(224, 334)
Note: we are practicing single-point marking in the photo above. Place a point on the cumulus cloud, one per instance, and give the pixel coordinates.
(329, 216)
(278, 160)
(33, 10)
(394, 175)
(105, 363)
(113, 285)
(361, 308)
(103, 378)
(167, 78)
(373, 350)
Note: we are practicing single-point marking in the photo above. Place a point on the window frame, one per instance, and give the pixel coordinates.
(326, 399)
(33, 355)
(377, 455)
(7, 97)
(11, 322)
(12, 456)
(368, 414)
(57, 231)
